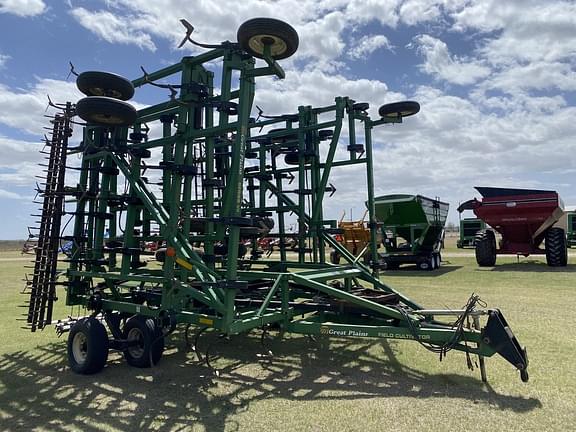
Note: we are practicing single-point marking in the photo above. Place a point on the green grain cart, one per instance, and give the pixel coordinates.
(571, 229)
(469, 227)
(412, 229)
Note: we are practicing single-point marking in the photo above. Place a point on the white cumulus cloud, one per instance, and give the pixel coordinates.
(367, 45)
(114, 29)
(440, 63)
(28, 105)
(23, 8)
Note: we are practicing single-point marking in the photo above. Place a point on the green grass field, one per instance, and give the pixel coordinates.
(323, 385)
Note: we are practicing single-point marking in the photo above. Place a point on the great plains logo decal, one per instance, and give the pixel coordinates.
(344, 333)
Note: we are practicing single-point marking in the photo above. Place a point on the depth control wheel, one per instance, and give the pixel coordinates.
(105, 111)
(255, 34)
(94, 83)
(146, 342)
(87, 346)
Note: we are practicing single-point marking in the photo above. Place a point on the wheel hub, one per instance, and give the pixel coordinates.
(99, 91)
(277, 45)
(136, 351)
(80, 348)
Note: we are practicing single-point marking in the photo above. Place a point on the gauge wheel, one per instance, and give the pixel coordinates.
(145, 340)
(87, 346)
(106, 111)
(95, 83)
(255, 34)
(399, 109)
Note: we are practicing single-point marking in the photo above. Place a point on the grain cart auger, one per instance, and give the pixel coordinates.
(202, 181)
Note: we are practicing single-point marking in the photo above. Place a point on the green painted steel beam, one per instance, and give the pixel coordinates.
(343, 295)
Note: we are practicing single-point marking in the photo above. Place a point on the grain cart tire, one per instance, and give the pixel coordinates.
(148, 351)
(556, 252)
(105, 111)
(426, 264)
(485, 249)
(87, 346)
(255, 34)
(334, 257)
(367, 258)
(94, 83)
(435, 261)
(399, 109)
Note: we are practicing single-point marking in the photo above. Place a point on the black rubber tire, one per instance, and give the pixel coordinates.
(87, 346)
(485, 248)
(426, 264)
(367, 258)
(556, 251)
(160, 255)
(151, 342)
(399, 109)
(334, 257)
(361, 106)
(95, 83)
(105, 111)
(294, 159)
(433, 263)
(255, 33)
(290, 135)
(392, 266)
(268, 222)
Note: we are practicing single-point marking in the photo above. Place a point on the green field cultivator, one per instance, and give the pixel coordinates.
(169, 202)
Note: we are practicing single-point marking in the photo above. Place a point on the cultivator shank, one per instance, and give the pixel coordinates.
(176, 197)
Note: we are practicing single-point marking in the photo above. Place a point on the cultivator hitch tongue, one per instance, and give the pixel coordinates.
(498, 335)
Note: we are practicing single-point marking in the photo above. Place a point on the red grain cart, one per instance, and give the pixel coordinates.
(524, 218)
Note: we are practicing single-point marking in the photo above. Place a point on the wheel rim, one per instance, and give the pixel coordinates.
(277, 45)
(80, 348)
(136, 351)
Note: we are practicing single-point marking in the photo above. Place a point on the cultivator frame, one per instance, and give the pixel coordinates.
(212, 274)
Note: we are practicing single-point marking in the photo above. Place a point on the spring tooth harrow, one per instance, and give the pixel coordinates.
(198, 196)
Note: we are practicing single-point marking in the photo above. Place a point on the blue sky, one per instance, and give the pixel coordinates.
(496, 81)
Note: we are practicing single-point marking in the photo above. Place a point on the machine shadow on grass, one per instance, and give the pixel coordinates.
(412, 270)
(531, 266)
(41, 391)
